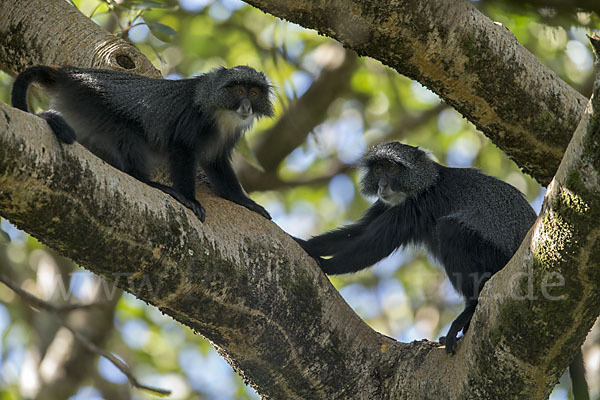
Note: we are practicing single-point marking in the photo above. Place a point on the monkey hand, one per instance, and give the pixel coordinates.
(251, 205)
(324, 264)
(193, 205)
(308, 249)
(197, 209)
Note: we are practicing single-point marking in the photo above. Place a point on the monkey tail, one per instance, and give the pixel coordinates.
(578, 382)
(40, 74)
(47, 76)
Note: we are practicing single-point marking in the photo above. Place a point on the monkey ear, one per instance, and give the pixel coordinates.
(429, 154)
(405, 164)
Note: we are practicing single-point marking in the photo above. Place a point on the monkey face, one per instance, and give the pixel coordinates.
(244, 90)
(395, 171)
(388, 189)
(243, 97)
(383, 179)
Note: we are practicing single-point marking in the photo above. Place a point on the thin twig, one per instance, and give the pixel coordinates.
(55, 311)
(66, 308)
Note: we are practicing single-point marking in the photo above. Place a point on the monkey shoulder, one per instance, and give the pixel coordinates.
(496, 210)
(468, 187)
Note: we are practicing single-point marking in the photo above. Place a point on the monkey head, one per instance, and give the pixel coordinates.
(394, 171)
(241, 89)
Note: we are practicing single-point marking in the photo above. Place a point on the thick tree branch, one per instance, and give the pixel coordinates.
(474, 64)
(54, 32)
(237, 279)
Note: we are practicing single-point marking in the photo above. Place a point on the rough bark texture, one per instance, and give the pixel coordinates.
(55, 33)
(474, 64)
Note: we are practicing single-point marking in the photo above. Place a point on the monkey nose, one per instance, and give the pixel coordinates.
(383, 189)
(245, 108)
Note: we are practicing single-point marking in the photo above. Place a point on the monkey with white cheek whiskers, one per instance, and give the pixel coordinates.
(470, 222)
(132, 122)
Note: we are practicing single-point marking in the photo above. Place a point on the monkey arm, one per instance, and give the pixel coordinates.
(332, 242)
(181, 162)
(377, 240)
(226, 184)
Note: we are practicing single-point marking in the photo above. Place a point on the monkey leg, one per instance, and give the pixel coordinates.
(59, 126)
(461, 322)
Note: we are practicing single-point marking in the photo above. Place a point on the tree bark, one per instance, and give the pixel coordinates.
(475, 65)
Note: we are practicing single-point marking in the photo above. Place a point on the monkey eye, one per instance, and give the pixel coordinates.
(239, 90)
(253, 92)
(392, 169)
(377, 169)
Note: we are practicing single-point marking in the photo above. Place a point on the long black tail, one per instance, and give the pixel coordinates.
(47, 76)
(40, 74)
(578, 382)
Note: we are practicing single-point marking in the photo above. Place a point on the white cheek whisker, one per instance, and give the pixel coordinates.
(230, 126)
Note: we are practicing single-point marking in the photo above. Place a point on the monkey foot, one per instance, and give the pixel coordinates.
(450, 343)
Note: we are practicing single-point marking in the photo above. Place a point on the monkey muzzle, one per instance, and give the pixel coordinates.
(389, 196)
(245, 109)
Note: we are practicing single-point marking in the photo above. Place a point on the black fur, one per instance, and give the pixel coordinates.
(470, 222)
(134, 122)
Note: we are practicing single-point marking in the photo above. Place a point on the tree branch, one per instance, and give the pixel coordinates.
(474, 64)
(66, 363)
(230, 278)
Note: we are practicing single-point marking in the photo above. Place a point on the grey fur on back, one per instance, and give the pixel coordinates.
(493, 208)
(151, 102)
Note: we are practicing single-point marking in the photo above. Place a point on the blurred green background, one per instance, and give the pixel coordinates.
(308, 187)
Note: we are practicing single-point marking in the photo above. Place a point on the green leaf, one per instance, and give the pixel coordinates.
(4, 238)
(146, 5)
(163, 32)
(244, 149)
